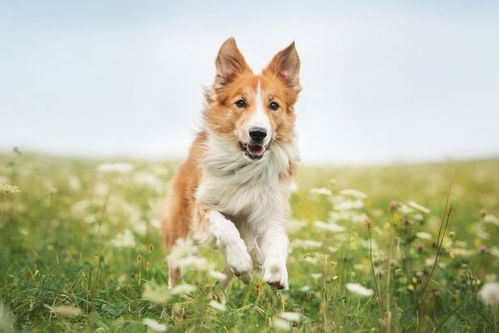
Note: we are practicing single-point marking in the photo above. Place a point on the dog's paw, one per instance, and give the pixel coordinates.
(275, 273)
(238, 259)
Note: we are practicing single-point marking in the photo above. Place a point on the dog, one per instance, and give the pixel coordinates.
(233, 188)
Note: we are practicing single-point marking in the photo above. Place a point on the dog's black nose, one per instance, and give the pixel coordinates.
(257, 133)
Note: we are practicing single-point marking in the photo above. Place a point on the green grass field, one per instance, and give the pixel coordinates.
(81, 251)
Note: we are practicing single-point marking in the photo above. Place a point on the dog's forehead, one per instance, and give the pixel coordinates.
(261, 86)
(255, 86)
(246, 85)
(269, 86)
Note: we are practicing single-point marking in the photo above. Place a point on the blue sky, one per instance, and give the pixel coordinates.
(383, 81)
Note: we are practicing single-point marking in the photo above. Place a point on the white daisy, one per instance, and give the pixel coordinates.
(291, 316)
(353, 193)
(359, 289)
(321, 191)
(125, 239)
(333, 227)
(154, 325)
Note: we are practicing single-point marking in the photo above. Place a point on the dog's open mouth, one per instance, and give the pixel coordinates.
(255, 151)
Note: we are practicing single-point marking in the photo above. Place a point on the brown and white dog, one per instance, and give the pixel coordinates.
(233, 188)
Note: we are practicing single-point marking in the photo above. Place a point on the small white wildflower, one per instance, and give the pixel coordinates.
(183, 256)
(125, 239)
(67, 310)
(358, 217)
(353, 193)
(494, 251)
(312, 260)
(115, 167)
(359, 289)
(193, 262)
(347, 215)
(217, 306)
(489, 293)
(9, 189)
(154, 325)
(418, 207)
(418, 217)
(140, 228)
(217, 275)
(183, 289)
(480, 231)
(182, 248)
(155, 293)
(101, 190)
(74, 183)
(333, 227)
(348, 204)
(305, 243)
(404, 209)
(489, 218)
(81, 208)
(155, 223)
(320, 191)
(423, 235)
(316, 276)
(462, 252)
(281, 324)
(305, 288)
(291, 316)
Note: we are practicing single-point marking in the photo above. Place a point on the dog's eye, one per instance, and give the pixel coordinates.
(241, 103)
(274, 106)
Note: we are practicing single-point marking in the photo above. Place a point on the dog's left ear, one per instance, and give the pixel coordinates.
(286, 66)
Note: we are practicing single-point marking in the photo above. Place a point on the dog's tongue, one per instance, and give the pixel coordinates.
(255, 150)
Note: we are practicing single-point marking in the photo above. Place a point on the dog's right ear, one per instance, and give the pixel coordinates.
(230, 62)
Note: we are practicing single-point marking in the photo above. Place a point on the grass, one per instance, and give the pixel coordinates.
(80, 246)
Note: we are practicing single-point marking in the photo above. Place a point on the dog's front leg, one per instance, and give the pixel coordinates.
(274, 253)
(214, 226)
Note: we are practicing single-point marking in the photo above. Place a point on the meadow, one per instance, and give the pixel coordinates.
(373, 249)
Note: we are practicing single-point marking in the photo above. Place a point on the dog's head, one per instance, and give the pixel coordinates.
(253, 112)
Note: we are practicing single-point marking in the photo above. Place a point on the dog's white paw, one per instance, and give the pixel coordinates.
(238, 258)
(275, 273)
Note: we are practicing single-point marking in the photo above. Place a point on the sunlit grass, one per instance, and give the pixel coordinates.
(80, 250)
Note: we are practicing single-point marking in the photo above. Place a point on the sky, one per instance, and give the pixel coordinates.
(382, 81)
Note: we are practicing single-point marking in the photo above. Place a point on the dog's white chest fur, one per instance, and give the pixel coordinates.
(250, 192)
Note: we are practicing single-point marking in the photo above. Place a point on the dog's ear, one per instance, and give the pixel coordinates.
(286, 66)
(230, 62)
